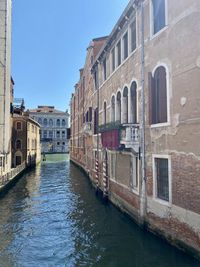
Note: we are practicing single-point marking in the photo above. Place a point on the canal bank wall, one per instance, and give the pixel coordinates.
(11, 178)
(173, 231)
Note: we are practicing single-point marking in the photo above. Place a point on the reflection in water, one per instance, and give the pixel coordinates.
(53, 218)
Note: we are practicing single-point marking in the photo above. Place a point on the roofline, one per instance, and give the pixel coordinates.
(116, 28)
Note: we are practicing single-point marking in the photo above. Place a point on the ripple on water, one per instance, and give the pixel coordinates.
(53, 218)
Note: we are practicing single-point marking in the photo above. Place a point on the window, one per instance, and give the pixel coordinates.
(40, 121)
(58, 143)
(118, 53)
(18, 144)
(19, 125)
(161, 167)
(33, 144)
(113, 108)
(58, 134)
(96, 121)
(125, 45)
(90, 114)
(58, 123)
(63, 143)
(133, 103)
(50, 134)
(125, 105)
(159, 20)
(118, 111)
(104, 69)
(133, 35)
(113, 59)
(63, 123)
(51, 123)
(158, 96)
(45, 122)
(104, 112)
(63, 134)
(96, 79)
(45, 134)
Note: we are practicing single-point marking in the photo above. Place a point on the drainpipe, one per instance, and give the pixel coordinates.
(143, 163)
(98, 123)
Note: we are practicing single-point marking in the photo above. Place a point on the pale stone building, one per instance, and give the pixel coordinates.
(5, 86)
(54, 128)
(145, 121)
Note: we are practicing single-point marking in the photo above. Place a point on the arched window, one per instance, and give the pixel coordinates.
(159, 20)
(50, 123)
(158, 96)
(18, 144)
(113, 108)
(19, 125)
(133, 103)
(104, 112)
(63, 123)
(40, 121)
(45, 122)
(58, 123)
(118, 111)
(125, 105)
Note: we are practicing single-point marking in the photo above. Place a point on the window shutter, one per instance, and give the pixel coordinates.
(162, 96)
(151, 91)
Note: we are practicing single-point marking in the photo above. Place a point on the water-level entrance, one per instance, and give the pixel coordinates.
(52, 217)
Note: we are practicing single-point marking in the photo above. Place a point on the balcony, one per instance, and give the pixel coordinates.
(129, 136)
(118, 136)
(88, 128)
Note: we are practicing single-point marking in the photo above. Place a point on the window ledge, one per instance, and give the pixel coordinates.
(153, 36)
(157, 125)
(162, 202)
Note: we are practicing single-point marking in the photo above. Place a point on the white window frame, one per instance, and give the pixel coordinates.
(122, 56)
(168, 123)
(168, 157)
(152, 35)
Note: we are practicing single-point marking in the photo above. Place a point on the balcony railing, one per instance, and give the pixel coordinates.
(115, 135)
(129, 136)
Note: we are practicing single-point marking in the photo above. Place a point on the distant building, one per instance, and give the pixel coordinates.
(25, 141)
(54, 124)
(5, 87)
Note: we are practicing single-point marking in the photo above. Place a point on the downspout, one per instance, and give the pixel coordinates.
(98, 124)
(143, 198)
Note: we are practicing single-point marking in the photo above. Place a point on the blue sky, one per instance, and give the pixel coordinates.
(49, 41)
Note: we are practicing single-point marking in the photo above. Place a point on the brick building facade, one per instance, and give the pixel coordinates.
(136, 132)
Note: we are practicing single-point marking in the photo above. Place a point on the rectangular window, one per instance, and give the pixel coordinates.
(118, 53)
(63, 134)
(125, 45)
(133, 35)
(44, 134)
(96, 79)
(162, 178)
(96, 121)
(58, 134)
(113, 59)
(19, 126)
(50, 134)
(104, 70)
(158, 15)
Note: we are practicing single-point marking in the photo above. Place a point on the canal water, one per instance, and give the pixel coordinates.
(52, 217)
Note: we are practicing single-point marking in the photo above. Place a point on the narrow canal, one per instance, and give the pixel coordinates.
(53, 218)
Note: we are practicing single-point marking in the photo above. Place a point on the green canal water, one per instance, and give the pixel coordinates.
(52, 217)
